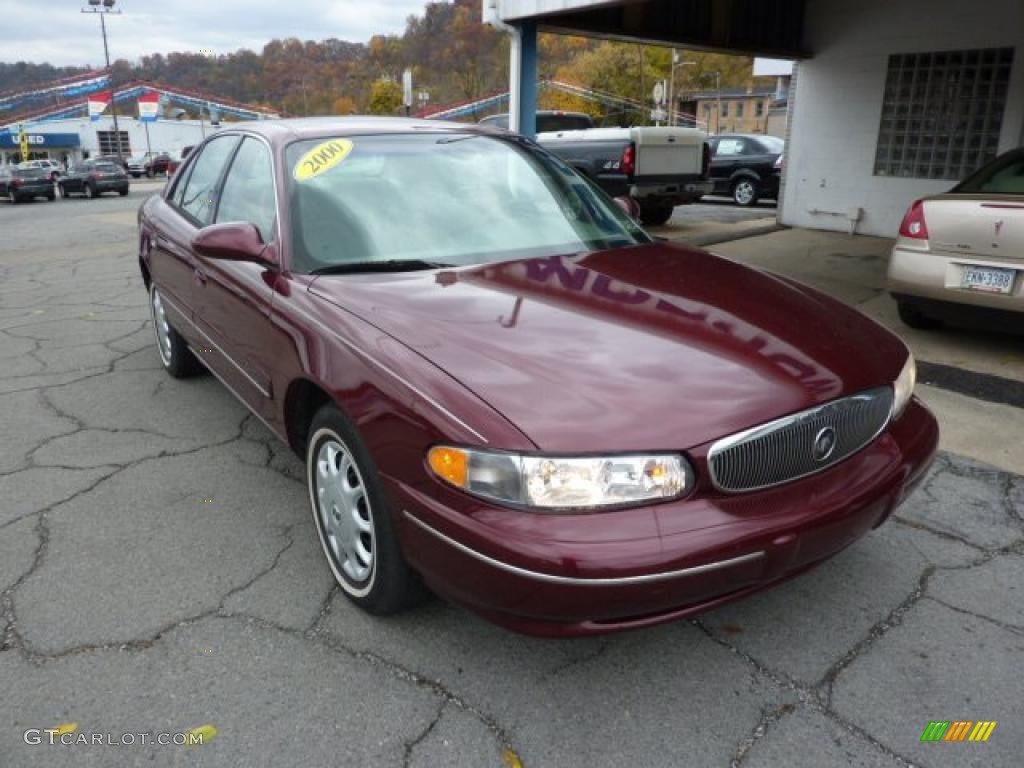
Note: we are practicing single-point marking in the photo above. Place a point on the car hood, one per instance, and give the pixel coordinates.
(650, 347)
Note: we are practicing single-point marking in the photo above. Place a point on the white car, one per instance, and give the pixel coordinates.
(54, 168)
(137, 165)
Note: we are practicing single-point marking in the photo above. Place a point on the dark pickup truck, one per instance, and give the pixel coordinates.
(660, 168)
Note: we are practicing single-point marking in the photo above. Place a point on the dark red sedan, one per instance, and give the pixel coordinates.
(504, 389)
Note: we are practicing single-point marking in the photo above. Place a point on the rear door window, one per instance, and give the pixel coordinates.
(198, 198)
(730, 147)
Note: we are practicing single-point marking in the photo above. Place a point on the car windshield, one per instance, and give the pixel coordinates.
(31, 173)
(441, 199)
(1003, 176)
(106, 167)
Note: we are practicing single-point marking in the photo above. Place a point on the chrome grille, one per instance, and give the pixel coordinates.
(785, 449)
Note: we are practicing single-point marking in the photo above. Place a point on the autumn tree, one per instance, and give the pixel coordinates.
(385, 98)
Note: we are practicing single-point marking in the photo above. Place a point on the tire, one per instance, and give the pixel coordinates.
(744, 192)
(51, 195)
(149, 174)
(122, 192)
(175, 355)
(90, 191)
(655, 214)
(353, 520)
(911, 315)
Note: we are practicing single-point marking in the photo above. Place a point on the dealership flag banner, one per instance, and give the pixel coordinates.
(97, 104)
(149, 106)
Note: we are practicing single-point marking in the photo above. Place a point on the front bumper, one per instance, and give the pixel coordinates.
(937, 276)
(565, 575)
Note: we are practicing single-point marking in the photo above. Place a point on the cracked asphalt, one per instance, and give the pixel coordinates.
(159, 572)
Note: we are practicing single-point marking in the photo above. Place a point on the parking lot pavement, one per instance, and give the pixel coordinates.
(159, 572)
(716, 219)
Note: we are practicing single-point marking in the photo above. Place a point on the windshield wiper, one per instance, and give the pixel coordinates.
(391, 265)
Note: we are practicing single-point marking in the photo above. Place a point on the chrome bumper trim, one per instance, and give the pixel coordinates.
(594, 582)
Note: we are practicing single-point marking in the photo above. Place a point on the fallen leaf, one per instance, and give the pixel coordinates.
(206, 733)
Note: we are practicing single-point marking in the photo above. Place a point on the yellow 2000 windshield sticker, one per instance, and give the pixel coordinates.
(322, 158)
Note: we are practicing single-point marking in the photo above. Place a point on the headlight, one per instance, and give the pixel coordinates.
(903, 388)
(562, 483)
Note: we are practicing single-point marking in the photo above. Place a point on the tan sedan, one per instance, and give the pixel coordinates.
(965, 247)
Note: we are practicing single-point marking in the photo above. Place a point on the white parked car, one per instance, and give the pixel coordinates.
(54, 168)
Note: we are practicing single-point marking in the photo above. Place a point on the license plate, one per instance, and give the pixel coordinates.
(988, 279)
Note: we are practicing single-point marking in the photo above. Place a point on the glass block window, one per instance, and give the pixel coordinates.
(108, 143)
(942, 112)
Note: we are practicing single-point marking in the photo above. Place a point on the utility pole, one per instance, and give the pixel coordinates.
(103, 7)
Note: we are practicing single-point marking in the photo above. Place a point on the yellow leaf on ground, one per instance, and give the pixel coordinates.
(206, 733)
(511, 759)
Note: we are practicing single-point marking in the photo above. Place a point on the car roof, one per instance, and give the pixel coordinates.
(292, 129)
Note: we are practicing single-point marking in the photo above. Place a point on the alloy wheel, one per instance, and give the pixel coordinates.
(344, 515)
(162, 327)
(744, 193)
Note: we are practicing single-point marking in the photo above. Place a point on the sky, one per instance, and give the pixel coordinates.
(55, 31)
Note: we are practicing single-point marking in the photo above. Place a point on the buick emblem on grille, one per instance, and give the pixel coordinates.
(824, 444)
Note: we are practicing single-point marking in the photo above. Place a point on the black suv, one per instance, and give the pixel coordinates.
(746, 167)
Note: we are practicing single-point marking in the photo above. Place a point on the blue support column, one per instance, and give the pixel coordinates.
(528, 79)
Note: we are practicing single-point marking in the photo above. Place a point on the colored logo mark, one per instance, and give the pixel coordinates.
(958, 730)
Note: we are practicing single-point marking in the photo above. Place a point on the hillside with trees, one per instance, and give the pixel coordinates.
(454, 58)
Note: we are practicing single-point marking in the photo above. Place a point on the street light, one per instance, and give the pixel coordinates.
(103, 7)
(676, 64)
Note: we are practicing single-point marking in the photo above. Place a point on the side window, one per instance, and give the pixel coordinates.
(198, 197)
(248, 192)
(730, 147)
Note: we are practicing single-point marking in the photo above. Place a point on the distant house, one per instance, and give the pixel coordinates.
(757, 109)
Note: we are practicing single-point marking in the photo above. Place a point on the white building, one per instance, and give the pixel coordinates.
(77, 138)
(892, 100)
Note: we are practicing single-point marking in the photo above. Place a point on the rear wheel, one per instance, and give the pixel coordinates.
(911, 314)
(177, 358)
(655, 214)
(352, 518)
(744, 192)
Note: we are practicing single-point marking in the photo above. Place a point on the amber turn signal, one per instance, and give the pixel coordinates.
(451, 464)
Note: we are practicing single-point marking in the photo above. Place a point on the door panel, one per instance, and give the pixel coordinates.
(236, 297)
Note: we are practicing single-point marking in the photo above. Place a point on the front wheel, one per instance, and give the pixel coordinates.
(175, 355)
(744, 193)
(352, 518)
(655, 214)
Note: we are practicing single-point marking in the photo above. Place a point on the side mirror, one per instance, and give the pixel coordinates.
(630, 206)
(231, 241)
